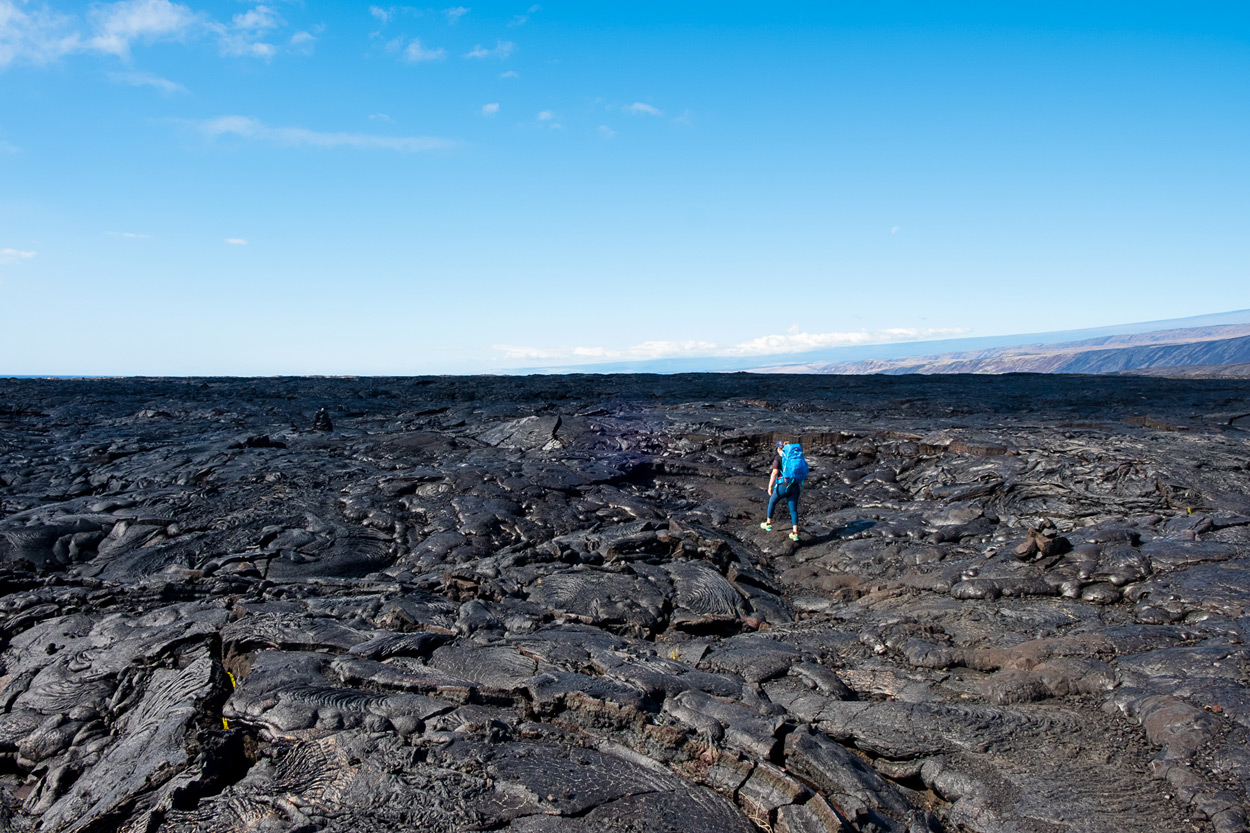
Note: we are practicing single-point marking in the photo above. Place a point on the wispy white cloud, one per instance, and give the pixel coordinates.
(894, 229)
(793, 341)
(454, 14)
(509, 74)
(36, 35)
(304, 40)
(386, 14)
(118, 25)
(247, 33)
(547, 119)
(638, 108)
(379, 117)
(522, 19)
(414, 52)
(129, 234)
(503, 48)
(490, 109)
(5, 147)
(236, 241)
(147, 79)
(254, 130)
(258, 19)
(39, 34)
(606, 132)
(15, 255)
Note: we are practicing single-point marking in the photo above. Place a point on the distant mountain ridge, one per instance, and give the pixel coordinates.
(896, 354)
(1174, 348)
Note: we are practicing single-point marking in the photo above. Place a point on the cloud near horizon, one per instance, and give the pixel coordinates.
(790, 342)
(248, 128)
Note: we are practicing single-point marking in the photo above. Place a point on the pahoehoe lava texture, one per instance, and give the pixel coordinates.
(545, 605)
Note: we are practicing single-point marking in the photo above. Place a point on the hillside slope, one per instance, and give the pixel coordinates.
(1178, 348)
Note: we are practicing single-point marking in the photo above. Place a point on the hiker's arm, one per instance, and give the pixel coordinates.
(772, 478)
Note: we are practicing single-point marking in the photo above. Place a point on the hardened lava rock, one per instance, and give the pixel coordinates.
(546, 605)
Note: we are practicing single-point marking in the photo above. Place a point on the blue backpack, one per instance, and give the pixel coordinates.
(793, 467)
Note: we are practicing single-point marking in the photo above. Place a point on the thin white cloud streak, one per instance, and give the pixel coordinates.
(416, 53)
(638, 108)
(454, 14)
(15, 255)
(147, 79)
(129, 234)
(546, 115)
(254, 130)
(606, 132)
(791, 342)
(236, 241)
(490, 109)
(503, 48)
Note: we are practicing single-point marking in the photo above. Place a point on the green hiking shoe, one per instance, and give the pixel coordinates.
(794, 536)
(767, 526)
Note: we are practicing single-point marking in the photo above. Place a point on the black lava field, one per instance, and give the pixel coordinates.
(545, 605)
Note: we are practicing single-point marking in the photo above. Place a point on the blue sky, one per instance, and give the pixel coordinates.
(299, 187)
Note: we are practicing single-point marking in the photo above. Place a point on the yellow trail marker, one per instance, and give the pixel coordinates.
(233, 684)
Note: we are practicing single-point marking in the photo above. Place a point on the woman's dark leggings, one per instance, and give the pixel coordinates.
(792, 498)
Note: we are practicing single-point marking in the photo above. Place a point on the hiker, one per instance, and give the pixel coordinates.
(786, 480)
